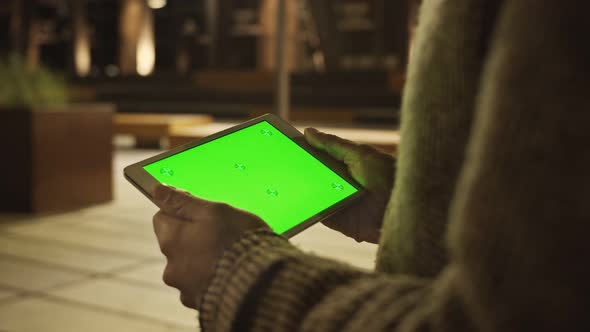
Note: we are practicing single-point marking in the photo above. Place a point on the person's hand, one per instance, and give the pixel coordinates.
(374, 170)
(192, 234)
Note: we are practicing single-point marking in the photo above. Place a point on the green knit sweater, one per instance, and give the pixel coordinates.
(489, 221)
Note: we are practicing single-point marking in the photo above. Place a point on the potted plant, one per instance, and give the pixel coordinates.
(56, 156)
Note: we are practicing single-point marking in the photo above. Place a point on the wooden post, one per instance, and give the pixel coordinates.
(33, 50)
(330, 40)
(81, 50)
(282, 83)
(212, 16)
(129, 26)
(267, 39)
(137, 42)
(379, 16)
(219, 19)
(19, 25)
(24, 32)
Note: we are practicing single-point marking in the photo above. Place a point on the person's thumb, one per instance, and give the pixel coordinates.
(339, 148)
(176, 202)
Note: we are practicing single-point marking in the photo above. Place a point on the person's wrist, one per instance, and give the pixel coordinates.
(229, 255)
(235, 273)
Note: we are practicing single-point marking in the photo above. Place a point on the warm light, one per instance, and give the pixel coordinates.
(146, 48)
(82, 56)
(156, 4)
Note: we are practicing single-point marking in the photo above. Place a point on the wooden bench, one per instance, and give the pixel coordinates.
(386, 140)
(150, 129)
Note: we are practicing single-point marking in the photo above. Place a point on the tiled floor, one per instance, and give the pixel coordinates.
(99, 269)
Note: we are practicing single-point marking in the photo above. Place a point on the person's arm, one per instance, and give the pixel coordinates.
(519, 232)
(263, 283)
(438, 107)
(522, 213)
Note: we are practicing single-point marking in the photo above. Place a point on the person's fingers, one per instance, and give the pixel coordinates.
(165, 227)
(169, 276)
(188, 300)
(339, 148)
(178, 203)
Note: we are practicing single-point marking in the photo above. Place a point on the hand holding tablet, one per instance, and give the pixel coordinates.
(263, 166)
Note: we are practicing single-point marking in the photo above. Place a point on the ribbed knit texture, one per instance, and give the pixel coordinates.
(495, 158)
(438, 108)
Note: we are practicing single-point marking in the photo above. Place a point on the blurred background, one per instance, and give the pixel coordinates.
(90, 86)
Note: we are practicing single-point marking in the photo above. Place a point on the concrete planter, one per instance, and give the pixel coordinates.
(55, 159)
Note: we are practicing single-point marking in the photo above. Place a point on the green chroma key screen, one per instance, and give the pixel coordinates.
(258, 169)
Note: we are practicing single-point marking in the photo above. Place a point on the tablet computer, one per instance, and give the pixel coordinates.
(264, 166)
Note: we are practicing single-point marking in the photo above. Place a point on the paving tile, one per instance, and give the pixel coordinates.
(135, 299)
(12, 221)
(92, 238)
(162, 304)
(9, 220)
(58, 254)
(5, 293)
(137, 215)
(126, 197)
(118, 224)
(150, 273)
(29, 276)
(39, 314)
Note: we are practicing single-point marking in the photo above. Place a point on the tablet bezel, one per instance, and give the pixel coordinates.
(146, 183)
